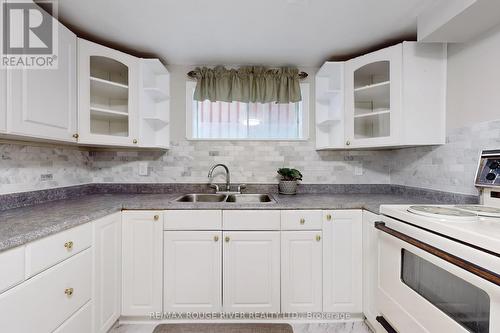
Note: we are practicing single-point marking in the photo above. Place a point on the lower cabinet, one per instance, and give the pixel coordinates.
(47, 300)
(107, 241)
(3, 100)
(301, 267)
(80, 322)
(370, 269)
(342, 261)
(142, 249)
(251, 278)
(192, 271)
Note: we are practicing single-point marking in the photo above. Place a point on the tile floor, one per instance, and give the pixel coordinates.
(341, 327)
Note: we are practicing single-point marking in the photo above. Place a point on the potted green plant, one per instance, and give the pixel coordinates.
(288, 180)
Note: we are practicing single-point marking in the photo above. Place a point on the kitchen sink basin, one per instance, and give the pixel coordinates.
(202, 197)
(236, 198)
(248, 198)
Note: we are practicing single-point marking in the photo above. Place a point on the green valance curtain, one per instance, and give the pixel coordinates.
(254, 84)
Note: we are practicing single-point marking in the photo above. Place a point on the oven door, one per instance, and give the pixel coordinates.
(426, 284)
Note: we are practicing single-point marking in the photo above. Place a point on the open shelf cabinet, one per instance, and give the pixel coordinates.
(330, 105)
(123, 100)
(155, 104)
(394, 97)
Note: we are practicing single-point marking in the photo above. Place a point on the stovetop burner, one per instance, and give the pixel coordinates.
(481, 210)
(448, 213)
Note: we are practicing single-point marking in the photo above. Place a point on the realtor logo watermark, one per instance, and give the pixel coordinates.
(29, 35)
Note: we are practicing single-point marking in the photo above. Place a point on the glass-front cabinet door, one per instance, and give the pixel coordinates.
(373, 98)
(108, 95)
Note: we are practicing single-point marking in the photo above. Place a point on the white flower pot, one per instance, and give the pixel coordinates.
(287, 187)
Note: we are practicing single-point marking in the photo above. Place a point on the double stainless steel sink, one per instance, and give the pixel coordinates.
(236, 198)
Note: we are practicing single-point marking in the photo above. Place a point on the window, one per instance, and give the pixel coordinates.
(463, 302)
(246, 121)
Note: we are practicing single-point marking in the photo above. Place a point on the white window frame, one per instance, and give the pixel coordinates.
(191, 85)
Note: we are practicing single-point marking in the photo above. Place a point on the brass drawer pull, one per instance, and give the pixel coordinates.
(156, 217)
(68, 291)
(328, 217)
(302, 221)
(216, 238)
(227, 239)
(318, 238)
(68, 245)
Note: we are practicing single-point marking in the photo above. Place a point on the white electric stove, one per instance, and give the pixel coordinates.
(439, 265)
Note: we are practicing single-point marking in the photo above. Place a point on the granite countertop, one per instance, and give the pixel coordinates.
(19, 226)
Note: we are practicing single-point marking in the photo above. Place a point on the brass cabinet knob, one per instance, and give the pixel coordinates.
(302, 221)
(134, 141)
(227, 239)
(347, 143)
(156, 217)
(68, 245)
(318, 238)
(68, 291)
(76, 136)
(328, 217)
(216, 238)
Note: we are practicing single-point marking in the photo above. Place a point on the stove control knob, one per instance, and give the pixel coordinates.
(494, 165)
(491, 176)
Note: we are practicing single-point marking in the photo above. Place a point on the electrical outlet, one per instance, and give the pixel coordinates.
(358, 170)
(143, 169)
(46, 176)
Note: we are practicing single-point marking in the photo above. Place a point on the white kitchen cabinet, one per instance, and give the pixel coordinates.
(373, 98)
(330, 105)
(342, 261)
(80, 322)
(107, 271)
(3, 100)
(251, 271)
(142, 262)
(46, 252)
(42, 103)
(108, 93)
(192, 271)
(301, 271)
(154, 104)
(13, 271)
(49, 298)
(388, 98)
(370, 269)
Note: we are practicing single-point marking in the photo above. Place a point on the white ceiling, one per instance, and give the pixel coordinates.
(272, 32)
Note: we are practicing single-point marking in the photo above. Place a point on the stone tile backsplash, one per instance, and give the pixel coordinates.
(27, 168)
(249, 162)
(450, 167)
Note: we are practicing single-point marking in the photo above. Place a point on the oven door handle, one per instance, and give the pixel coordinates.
(459, 262)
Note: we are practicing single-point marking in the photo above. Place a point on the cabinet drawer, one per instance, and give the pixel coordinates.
(44, 298)
(12, 271)
(301, 219)
(80, 322)
(48, 251)
(193, 220)
(251, 219)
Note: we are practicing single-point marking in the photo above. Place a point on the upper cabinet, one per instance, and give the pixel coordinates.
(41, 103)
(392, 97)
(330, 105)
(154, 104)
(3, 100)
(108, 95)
(123, 100)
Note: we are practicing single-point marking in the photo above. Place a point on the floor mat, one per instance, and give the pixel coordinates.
(223, 328)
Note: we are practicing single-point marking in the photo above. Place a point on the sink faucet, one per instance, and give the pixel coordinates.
(228, 177)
